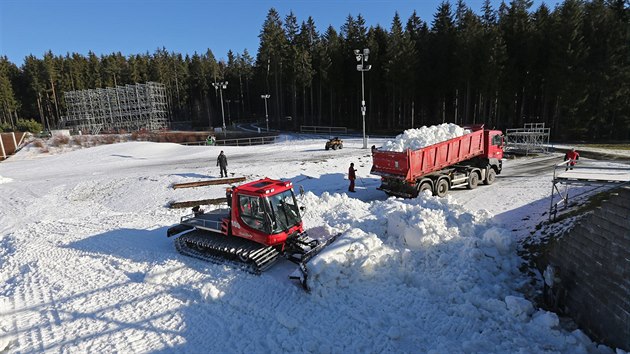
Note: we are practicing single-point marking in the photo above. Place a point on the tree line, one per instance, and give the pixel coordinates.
(567, 67)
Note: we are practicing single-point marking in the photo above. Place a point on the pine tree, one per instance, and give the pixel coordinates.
(442, 49)
(419, 35)
(8, 103)
(400, 67)
(269, 60)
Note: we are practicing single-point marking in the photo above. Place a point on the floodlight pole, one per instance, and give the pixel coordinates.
(363, 57)
(229, 113)
(221, 86)
(266, 97)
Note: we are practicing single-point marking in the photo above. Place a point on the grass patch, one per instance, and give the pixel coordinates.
(60, 140)
(38, 143)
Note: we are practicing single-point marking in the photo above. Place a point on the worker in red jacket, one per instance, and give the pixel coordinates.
(351, 176)
(572, 156)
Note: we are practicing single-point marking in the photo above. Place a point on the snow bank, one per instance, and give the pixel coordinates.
(452, 271)
(401, 234)
(418, 138)
(5, 180)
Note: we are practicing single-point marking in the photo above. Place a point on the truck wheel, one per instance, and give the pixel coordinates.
(473, 180)
(441, 188)
(490, 177)
(334, 147)
(327, 147)
(340, 146)
(424, 186)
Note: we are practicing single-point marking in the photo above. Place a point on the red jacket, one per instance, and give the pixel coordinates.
(573, 156)
(351, 175)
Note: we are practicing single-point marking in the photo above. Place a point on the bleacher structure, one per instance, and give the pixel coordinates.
(532, 138)
(115, 109)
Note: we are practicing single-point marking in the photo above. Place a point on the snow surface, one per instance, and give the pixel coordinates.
(85, 264)
(415, 139)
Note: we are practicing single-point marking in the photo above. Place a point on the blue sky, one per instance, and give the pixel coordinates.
(185, 26)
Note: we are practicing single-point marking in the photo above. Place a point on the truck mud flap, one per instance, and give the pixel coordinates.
(302, 272)
(398, 187)
(396, 192)
(178, 229)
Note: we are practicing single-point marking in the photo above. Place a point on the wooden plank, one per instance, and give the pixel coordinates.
(208, 182)
(4, 153)
(194, 203)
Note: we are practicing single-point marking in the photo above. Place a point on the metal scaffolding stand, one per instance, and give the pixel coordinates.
(115, 109)
(532, 138)
(599, 176)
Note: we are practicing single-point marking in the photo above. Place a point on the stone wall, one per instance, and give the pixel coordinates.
(592, 262)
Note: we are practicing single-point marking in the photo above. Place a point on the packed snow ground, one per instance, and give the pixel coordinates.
(85, 265)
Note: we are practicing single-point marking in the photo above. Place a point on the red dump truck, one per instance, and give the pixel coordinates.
(466, 160)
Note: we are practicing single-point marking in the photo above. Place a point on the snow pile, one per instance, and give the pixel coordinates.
(5, 180)
(453, 271)
(404, 233)
(418, 138)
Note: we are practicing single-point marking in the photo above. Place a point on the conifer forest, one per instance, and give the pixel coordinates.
(567, 67)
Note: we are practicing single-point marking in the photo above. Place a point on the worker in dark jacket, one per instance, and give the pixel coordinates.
(222, 163)
(572, 156)
(351, 176)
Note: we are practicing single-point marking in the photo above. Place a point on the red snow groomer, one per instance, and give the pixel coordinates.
(261, 223)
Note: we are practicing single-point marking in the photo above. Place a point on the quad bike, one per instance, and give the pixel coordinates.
(334, 143)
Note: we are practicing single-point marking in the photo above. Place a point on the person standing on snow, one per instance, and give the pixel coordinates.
(351, 176)
(572, 156)
(222, 163)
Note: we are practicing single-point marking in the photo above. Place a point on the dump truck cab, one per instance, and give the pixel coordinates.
(493, 144)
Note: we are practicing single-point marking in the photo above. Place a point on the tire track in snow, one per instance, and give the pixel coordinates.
(93, 268)
(101, 320)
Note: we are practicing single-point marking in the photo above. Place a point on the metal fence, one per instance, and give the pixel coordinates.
(316, 129)
(261, 140)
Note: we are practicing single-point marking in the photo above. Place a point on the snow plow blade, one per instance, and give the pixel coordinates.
(302, 277)
(178, 229)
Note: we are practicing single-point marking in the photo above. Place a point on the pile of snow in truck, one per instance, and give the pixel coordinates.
(418, 138)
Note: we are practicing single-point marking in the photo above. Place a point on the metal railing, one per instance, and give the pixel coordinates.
(322, 129)
(237, 141)
(261, 140)
(598, 176)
